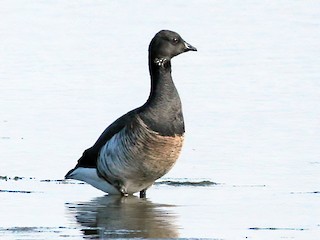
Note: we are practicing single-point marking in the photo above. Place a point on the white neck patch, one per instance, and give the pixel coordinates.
(160, 61)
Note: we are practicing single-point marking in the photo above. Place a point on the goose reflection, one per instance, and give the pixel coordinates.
(120, 217)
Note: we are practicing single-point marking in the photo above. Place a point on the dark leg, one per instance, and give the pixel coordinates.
(143, 193)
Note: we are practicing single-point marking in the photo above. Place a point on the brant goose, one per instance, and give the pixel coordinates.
(144, 144)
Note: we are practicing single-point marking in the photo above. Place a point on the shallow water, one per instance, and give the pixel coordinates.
(250, 96)
(47, 209)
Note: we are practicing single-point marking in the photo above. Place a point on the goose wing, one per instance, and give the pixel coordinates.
(90, 155)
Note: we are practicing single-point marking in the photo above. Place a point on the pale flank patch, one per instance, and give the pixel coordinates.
(90, 176)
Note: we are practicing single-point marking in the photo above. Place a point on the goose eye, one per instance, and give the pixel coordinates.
(175, 40)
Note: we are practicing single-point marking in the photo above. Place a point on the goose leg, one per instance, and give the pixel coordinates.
(143, 193)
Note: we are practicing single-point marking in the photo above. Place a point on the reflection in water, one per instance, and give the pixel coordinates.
(115, 216)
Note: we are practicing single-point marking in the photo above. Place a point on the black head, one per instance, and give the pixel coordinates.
(167, 44)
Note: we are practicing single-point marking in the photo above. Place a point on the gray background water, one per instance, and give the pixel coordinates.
(250, 96)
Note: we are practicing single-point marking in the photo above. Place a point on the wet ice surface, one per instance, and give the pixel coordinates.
(251, 105)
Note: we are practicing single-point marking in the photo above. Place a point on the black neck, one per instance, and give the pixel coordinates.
(161, 81)
(162, 112)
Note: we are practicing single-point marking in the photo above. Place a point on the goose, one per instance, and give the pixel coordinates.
(142, 145)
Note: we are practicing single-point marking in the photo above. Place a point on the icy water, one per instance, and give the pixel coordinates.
(251, 160)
